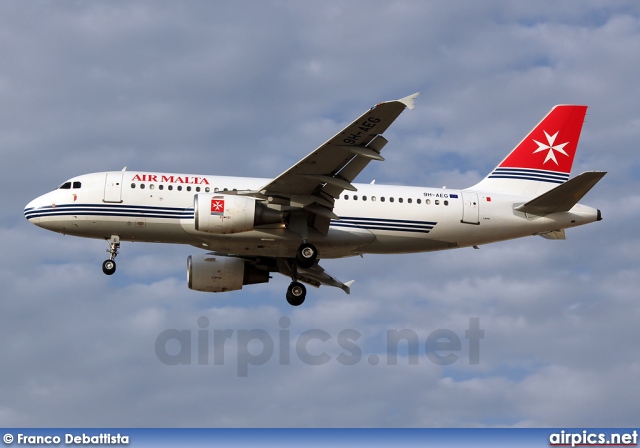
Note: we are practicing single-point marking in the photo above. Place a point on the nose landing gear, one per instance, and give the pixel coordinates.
(109, 266)
(296, 292)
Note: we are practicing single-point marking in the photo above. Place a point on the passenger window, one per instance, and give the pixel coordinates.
(446, 202)
(346, 196)
(390, 199)
(364, 198)
(409, 200)
(65, 186)
(142, 186)
(179, 187)
(207, 189)
(170, 187)
(133, 185)
(198, 189)
(428, 201)
(152, 186)
(400, 200)
(355, 197)
(188, 188)
(160, 187)
(437, 202)
(373, 198)
(382, 199)
(418, 201)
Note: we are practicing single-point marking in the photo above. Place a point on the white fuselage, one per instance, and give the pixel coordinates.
(159, 207)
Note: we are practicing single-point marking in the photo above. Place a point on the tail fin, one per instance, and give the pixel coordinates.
(543, 159)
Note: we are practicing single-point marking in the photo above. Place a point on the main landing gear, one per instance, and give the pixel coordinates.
(109, 266)
(306, 256)
(296, 292)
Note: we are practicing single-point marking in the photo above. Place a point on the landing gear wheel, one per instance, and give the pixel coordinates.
(109, 267)
(296, 292)
(306, 255)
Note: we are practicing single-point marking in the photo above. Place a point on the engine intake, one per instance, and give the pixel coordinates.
(224, 213)
(214, 273)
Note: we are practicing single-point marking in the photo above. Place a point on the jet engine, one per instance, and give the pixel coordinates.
(214, 273)
(225, 213)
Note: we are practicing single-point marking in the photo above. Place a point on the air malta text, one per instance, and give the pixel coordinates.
(194, 180)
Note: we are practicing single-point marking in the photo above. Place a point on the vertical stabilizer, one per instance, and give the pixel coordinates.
(543, 159)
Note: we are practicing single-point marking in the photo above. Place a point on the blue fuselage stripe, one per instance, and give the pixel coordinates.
(135, 211)
(396, 225)
(529, 174)
(109, 210)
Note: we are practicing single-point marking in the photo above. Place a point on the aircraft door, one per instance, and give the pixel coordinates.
(470, 208)
(113, 187)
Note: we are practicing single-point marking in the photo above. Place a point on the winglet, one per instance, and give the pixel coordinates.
(408, 100)
(346, 287)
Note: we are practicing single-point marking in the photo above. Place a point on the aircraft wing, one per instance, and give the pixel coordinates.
(314, 276)
(317, 180)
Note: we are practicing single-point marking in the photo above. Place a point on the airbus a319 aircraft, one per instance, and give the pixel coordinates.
(248, 228)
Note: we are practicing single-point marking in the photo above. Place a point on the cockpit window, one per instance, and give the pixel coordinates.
(70, 185)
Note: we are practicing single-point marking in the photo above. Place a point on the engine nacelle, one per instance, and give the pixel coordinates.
(225, 213)
(214, 273)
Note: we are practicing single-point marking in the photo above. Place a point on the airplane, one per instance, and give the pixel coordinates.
(249, 228)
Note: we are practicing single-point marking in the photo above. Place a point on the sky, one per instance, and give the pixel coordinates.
(248, 88)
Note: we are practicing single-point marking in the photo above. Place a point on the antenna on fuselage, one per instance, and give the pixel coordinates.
(125, 168)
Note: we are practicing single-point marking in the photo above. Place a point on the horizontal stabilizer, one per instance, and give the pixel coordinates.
(563, 197)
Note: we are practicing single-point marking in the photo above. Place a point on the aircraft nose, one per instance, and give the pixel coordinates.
(32, 210)
(29, 212)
